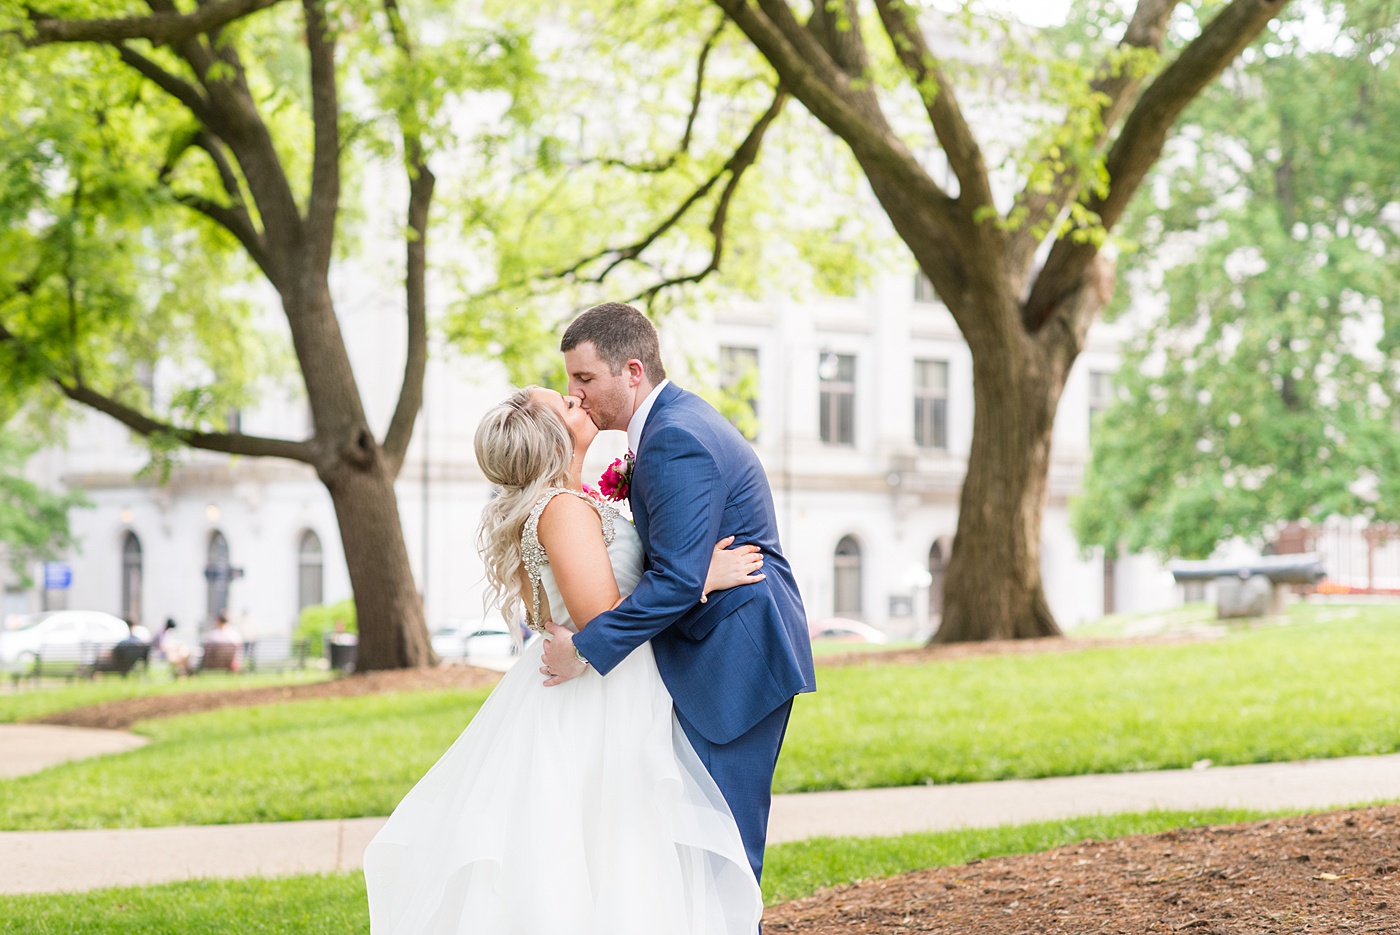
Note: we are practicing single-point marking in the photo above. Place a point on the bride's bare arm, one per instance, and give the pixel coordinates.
(572, 535)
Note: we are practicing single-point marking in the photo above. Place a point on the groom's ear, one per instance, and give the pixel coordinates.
(636, 373)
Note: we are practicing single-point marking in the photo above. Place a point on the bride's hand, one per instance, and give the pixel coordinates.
(730, 568)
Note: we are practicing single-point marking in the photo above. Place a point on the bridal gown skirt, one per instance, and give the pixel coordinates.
(575, 810)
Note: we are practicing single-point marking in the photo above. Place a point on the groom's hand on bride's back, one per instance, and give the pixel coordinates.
(561, 661)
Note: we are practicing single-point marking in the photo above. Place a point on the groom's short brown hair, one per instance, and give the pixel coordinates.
(619, 333)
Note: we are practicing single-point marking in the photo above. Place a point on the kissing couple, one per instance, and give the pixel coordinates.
(618, 779)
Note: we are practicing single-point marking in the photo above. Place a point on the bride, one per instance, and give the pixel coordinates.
(591, 785)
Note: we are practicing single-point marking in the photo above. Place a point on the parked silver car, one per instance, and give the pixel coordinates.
(458, 639)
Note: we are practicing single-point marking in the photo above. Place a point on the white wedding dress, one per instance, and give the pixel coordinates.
(580, 809)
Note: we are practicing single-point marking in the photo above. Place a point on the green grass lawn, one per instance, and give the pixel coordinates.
(322, 905)
(331, 758)
(1322, 687)
(27, 703)
(1317, 688)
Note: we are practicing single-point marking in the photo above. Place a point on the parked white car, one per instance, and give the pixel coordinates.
(73, 636)
(843, 630)
(458, 639)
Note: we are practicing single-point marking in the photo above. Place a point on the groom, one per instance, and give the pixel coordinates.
(733, 660)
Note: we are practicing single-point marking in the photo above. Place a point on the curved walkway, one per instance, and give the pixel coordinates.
(52, 861)
(28, 748)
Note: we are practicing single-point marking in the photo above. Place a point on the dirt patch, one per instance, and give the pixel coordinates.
(120, 715)
(1329, 873)
(920, 655)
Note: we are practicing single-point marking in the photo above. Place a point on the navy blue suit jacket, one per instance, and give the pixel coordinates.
(733, 660)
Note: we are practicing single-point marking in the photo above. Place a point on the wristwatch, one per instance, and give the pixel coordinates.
(579, 656)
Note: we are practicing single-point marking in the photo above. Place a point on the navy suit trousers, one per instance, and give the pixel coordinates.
(743, 770)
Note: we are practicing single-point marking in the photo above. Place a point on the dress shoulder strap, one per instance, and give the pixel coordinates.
(532, 553)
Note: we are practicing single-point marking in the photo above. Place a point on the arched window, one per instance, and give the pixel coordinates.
(937, 565)
(218, 573)
(310, 565)
(846, 569)
(131, 577)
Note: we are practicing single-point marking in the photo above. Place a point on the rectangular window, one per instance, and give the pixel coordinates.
(923, 289)
(738, 383)
(838, 398)
(1100, 396)
(931, 403)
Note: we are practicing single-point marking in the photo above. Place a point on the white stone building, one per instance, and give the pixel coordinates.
(864, 408)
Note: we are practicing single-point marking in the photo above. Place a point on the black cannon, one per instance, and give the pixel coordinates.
(1251, 588)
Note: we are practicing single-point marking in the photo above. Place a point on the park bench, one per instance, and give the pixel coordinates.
(275, 654)
(61, 660)
(122, 658)
(1252, 588)
(219, 656)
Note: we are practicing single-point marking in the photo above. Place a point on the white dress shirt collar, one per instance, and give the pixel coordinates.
(639, 418)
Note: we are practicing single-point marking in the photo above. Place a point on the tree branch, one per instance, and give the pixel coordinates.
(742, 159)
(1113, 87)
(232, 115)
(325, 112)
(420, 196)
(211, 144)
(806, 70)
(234, 444)
(175, 86)
(234, 220)
(161, 28)
(964, 155)
(238, 444)
(684, 147)
(233, 217)
(1140, 143)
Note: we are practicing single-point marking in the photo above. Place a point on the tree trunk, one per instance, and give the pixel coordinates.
(387, 604)
(993, 584)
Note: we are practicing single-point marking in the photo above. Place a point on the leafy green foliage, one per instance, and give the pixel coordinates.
(107, 276)
(563, 216)
(1267, 390)
(319, 620)
(33, 521)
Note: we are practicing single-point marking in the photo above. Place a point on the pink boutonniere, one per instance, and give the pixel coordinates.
(616, 482)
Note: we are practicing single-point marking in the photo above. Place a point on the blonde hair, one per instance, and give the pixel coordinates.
(524, 448)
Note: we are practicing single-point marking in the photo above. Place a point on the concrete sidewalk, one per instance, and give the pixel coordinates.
(50, 861)
(28, 748)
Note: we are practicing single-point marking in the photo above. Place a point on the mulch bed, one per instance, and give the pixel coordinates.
(120, 715)
(1337, 872)
(920, 655)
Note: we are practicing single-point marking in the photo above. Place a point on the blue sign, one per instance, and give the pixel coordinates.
(58, 576)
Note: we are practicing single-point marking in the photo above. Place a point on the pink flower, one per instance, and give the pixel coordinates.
(616, 482)
(592, 491)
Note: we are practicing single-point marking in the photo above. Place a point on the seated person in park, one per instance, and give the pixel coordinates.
(174, 650)
(223, 648)
(124, 656)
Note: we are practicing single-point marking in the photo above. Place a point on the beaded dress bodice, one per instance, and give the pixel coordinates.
(624, 550)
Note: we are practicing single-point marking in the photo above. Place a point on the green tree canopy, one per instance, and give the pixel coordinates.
(1267, 389)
